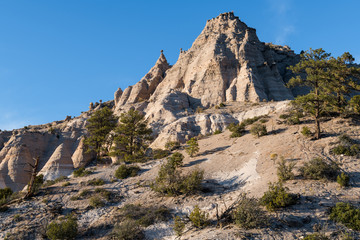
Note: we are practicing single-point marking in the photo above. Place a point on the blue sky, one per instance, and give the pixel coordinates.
(58, 56)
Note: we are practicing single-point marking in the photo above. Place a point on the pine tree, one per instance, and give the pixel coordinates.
(131, 136)
(193, 147)
(313, 71)
(99, 126)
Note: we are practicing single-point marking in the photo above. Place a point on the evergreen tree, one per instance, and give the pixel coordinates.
(313, 71)
(193, 147)
(131, 136)
(99, 126)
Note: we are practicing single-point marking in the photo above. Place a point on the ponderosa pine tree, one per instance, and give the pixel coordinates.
(193, 147)
(131, 136)
(313, 71)
(99, 126)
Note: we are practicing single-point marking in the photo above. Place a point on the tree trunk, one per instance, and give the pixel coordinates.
(32, 179)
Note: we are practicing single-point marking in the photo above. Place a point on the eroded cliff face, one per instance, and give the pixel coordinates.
(226, 63)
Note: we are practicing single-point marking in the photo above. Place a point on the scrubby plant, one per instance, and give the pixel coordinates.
(355, 104)
(258, 130)
(179, 225)
(65, 184)
(277, 197)
(250, 121)
(192, 147)
(346, 214)
(170, 181)
(81, 172)
(237, 130)
(5, 193)
(172, 145)
(106, 194)
(248, 214)
(346, 146)
(125, 171)
(160, 153)
(318, 169)
(284, 170)
(306, 131)
(96, 202)
(221, 105)
(199, 218)
(217, 131)
(316, 236)
(96, 182)
(343, 180)
(66, 229)
(144, 216)
(127, 230)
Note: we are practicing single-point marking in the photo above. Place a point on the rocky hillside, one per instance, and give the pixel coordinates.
(226, 63)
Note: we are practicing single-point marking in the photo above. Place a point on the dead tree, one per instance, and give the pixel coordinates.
(31, 184)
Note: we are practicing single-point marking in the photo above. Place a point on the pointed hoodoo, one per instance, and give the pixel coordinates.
(142, 90)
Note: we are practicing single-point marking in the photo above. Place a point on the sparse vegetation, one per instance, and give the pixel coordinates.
(284, 170)
(65, 229)
(125, 171)
(277, 197)
(199, 218)
(193, 147)
(96, 202)
(346, 147)
(316, 236)
(179, 226)
(343, 180)
(217, 131)
(236, 130)
(172, 145)
(346, 214)
(318, 169)
(81, 172)
(306, 131)
(96, 182)
(127, 230)
(355, 104)
(258, 130)
(160, 153)
(248, 214)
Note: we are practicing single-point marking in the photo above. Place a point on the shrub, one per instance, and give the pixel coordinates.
(85, 193)
(285, 171)
(250, 121)
(144, 216)
(221, 105)
(355, 104)
(81, 172)
(160, 153)
(352, 150)
(346, 214)
(104, 193)
(217, 131)
(172, 145)
(316, 236)
(343, 180)
(277, 197)
(96, 182)
(317, 169)
(236, 130)
(125, 171)
(248, 213)
(127, 230)
(306, 131)
(199, 218)
(193, 147)
(258, 130)
(192, 182)
(5, 193)
(65, 184)
(96, 202)
(66, 229)
(179, 225)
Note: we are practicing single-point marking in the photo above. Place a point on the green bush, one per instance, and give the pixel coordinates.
(250, 121)
(66, 229)
(346, 214)
(144, 216)
(125, 171)
(176, 160)
(172, 145)
(355, 104)
(316, 236)
(199, 218)
(318, 169)
(221, 105)
(258, 130)
(285, 171)
(343, 180)
(160, 153)
(248, 214)
(217, 131)
(127, 230)
(96, 182)
(81, 172)
(236, 130)
(306, 131)
(179, 226)
(277, 197)
(5, 193)
(193, 147)
(96, 202)
(352, 150)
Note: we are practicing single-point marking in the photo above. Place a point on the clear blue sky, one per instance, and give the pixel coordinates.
(57, 56)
